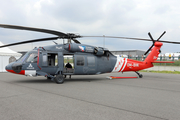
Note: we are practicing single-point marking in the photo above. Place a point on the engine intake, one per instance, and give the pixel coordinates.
(99, 51)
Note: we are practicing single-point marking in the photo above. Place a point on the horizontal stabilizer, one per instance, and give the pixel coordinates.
(163, 62)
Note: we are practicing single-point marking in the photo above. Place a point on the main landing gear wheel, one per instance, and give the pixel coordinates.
(59, 79)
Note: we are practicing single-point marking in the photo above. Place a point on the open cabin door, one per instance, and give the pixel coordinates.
(68, 64)
(60, 63)
(48, 62)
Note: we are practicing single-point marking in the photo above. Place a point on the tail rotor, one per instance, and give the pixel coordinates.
(153, 41)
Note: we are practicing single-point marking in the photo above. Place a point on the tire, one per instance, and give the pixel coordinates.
(140, 76)
(59, 79)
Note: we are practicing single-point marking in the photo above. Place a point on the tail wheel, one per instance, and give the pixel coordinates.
(140, 75)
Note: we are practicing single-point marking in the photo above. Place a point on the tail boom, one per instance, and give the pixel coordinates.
(124, 64)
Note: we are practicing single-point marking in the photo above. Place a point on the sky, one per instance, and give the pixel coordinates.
(123, 18)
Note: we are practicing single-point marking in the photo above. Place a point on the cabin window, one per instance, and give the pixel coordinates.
(44, 59)
(52, 59)
(91, 61)
(32, 58)
(80, 61)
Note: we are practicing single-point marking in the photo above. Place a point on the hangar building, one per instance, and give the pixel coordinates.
(132, 53)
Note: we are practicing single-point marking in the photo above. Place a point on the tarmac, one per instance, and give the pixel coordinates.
(91, 97)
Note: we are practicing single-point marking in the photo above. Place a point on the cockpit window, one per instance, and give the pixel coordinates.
(23, 57)
(32, 58)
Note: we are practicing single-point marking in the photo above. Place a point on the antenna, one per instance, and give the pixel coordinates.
(103, 40)
(55, 42)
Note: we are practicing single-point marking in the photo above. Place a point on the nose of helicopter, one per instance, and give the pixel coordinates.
(15, 68)
(8, 67)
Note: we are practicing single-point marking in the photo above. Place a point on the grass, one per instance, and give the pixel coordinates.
(167, 72)
(68, 60)
(176, 63)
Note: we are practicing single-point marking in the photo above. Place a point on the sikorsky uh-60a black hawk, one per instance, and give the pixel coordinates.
(48, 61)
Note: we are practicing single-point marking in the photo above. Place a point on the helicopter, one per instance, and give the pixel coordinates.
(49, 60)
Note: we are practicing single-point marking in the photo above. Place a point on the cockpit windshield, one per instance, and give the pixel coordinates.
(32, 58)
(23, 57)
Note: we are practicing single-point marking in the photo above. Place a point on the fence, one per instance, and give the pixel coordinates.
(164, 58)
(163, 66)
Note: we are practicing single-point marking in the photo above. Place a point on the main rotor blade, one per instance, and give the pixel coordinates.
(169, 42)
(133, 39)
(30, 41)
(76, 41)
(161, 35)
(60, 34)
(120, 37)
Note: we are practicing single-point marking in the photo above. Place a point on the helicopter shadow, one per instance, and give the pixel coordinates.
(67, 80)
(82, 79)
(45, 81)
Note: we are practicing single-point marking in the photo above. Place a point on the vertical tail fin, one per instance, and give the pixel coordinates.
(153, 55)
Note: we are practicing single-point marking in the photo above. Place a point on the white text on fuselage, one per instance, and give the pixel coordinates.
(132, 64)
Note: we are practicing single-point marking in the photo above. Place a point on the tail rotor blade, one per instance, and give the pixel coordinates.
(148, 49)
(161, 35)
(151, 37)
